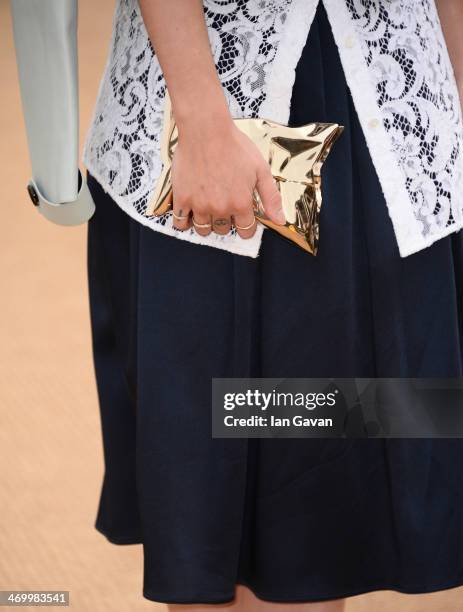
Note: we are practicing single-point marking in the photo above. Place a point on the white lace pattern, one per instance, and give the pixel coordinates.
(397, 67)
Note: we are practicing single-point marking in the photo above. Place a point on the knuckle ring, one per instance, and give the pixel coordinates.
(246, 227)
(201, 225)
(258, 206)
(179, 217)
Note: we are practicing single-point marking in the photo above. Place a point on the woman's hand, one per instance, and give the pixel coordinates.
(215, 167)
(215, 170)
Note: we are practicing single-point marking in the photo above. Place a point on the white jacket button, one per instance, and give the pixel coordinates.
(373, 123)
(349, 42)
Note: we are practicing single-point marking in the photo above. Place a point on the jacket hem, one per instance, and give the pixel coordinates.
(405, 249)
(235, 245)
(420, 245)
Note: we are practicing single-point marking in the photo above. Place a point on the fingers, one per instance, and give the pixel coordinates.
(220, 220)
(221, 224)
(211, 217)
(181, 216)
(245, 224)
(202, 222)
(269, 194)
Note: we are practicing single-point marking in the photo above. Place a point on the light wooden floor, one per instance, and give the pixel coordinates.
(50, 445)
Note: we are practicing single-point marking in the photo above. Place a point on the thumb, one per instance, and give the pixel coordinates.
(269, 194)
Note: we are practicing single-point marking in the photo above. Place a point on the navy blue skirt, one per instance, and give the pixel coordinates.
(296, 519)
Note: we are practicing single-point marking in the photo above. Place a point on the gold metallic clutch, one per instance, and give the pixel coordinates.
(295, 156)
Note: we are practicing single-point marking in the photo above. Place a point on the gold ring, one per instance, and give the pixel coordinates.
(259, 207)
(246, 227)
(180, 217)
(201, 225)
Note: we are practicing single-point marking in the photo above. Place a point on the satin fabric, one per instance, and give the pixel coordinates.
(295, 520)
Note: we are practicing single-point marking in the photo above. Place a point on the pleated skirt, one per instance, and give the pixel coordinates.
(296, 520)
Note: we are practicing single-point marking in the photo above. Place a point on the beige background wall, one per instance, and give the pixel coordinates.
(50, 446)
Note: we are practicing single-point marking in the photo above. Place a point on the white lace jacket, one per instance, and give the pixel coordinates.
(397, 67)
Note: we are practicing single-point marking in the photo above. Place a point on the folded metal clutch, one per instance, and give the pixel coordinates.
(295, 156)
